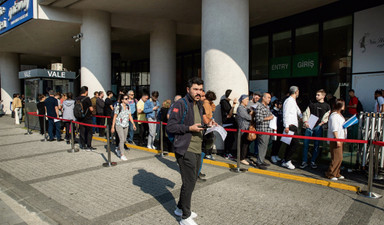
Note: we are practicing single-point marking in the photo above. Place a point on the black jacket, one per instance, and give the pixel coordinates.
(182, 134)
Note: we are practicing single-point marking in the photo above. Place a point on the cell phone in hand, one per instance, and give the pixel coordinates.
(205, 126)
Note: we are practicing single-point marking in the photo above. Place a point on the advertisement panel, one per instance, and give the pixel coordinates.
(13, 13)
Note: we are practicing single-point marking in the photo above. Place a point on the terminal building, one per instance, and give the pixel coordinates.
(243, 45)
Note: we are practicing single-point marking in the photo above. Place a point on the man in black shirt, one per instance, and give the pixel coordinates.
(108, 108)
(321, 110)
(227, 117)
(100, 112)
(52, 109)
(86, 131)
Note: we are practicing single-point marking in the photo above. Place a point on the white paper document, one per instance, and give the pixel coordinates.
(312, 121)
(273, 123)
(55, 120)
(219, 129)
(287, 140)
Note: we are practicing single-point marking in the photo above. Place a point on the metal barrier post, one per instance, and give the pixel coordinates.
(73, 149)
(377, 176)
(45, 128)
(162, 153)
(109, 163)
(382, 148)
(238, 169)
(369, 193)
(359, 135)
(366, 136)
(27, 118)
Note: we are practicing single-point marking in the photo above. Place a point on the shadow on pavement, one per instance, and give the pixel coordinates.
(171, 164)
(157, 187)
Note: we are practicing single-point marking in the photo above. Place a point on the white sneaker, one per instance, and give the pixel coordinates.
(288, 165)
(188, 221)
(334, 178)
(148, 146)
(153, 147)
(124, 158)
(341, 177)
(273, 159)
(179, 212)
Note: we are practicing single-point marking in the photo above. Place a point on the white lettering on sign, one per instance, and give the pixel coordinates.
(280, 66)
(27, 74)
(3, 24)
(56, 74)
(2, 10)
(304, 64)
(17, 7)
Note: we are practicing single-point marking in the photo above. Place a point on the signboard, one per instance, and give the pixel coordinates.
(280, 67)
(305, 65)
(43, 73)
(15, 12)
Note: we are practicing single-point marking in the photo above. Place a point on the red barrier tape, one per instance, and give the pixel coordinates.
(381, 143)
(89, 125)
(84, 124)
(35, 114)
(140, 121)
(307, 137)
(55, 118)
(98, 116)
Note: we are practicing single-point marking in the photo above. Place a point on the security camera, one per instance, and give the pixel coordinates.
(77, 37)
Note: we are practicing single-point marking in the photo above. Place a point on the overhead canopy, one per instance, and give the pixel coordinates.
(44, 73)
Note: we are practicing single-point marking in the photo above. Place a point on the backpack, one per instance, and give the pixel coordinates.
(78, 110)
(359, 107)
(171, 136)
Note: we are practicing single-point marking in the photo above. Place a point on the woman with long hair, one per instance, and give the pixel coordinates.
(336, 130)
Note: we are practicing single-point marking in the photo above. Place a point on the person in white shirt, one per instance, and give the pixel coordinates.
(336, 130)
(379, 105)
(291, 112)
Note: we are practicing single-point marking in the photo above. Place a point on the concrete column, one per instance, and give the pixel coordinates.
(163, 59)
(225, 46)
(9, 73)
(96, 51)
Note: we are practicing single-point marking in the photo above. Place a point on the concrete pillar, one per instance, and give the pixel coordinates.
(9, 73)
(96, 51)
(225, 46)
(163, 59)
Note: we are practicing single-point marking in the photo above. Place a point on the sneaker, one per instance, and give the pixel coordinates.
(334, 178)
(265, 164)
(188, 221)
(210, 157)
(277, 158)
(153, 147)
(202, 175)
(118, 153)
(179, 212)
(273, 159)
(229, 156)
(244, 162)
(288, 165)
(303, 165)
(201, 180)
(149, 146)
(313, 165)
(261, 166)
(341, 177)
(92, 148)
(124, 158)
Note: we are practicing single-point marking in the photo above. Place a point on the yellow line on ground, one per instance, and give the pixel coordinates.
(258, 171)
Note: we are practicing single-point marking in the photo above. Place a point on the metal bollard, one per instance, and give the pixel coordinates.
(366, 136)
(109, 163)
(27, 118)
(73, 149)
(238, 169)
(45, 129)
(162, 153)
(377, 150)
(369, 193)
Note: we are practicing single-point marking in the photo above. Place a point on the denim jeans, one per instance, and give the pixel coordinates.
(130, 132)
(316, 132)
(51, 125)
(94, 122)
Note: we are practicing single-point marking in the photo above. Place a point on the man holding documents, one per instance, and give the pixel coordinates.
(314, 117)
(262, 116)
(290, 113)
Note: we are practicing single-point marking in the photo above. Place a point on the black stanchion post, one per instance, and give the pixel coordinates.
(73, 149)
(27, 120)
(109, 163)
(162, 154)
(238, 169)
(45, 128)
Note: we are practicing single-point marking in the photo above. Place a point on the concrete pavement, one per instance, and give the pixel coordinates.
(73, 188)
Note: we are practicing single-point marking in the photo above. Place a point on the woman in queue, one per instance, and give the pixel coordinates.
(336, 130)
(244, 118)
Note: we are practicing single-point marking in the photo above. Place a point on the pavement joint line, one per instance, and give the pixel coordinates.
(32, 156)
(19, 143)
(263, 172)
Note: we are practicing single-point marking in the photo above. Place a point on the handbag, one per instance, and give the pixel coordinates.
(13, 114)
(251, 136)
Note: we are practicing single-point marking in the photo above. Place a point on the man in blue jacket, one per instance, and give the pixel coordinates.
(151, 109)
(185, 122)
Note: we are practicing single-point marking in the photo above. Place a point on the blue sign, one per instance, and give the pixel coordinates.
(15, 12)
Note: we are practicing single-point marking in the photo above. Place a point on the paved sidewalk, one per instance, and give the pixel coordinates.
(73, 188)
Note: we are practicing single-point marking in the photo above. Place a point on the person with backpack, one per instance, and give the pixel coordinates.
(83, 113)
(121, 118)
(132, 106)
(68, 106)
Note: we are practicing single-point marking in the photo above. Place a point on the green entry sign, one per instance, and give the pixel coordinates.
(305, 65)
(280, 67)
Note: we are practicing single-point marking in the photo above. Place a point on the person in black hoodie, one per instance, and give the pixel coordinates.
(41, 111)
(276, 143)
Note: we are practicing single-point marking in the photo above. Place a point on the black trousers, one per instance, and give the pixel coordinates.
(293, 146)
(67, 128)
(86, 134)
(143, 131)
(244, 146)
(189, 165)
(229, 140)
(41, 121)
(101, 121)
